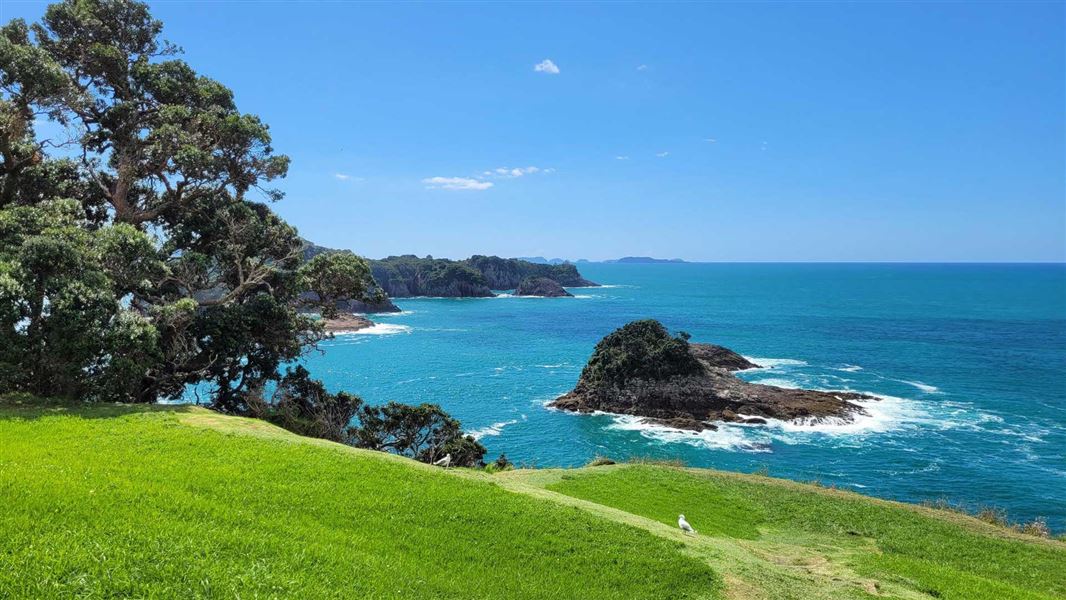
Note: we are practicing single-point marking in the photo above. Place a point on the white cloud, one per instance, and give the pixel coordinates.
(710, 140)
(455, 183)
(642, 67)
(348, 178)
(621, 158)
(517, 171)
(546, 66)
(662, 154)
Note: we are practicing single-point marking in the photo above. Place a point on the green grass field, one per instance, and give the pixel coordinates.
(164, 502)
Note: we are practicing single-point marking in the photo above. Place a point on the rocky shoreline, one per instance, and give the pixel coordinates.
(641, 370)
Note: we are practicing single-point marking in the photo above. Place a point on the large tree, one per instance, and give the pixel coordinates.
(138, 245)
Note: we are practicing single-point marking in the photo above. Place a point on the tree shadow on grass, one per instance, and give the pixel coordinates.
(28, 407)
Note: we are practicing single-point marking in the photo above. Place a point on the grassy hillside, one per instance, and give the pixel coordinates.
(180, 502)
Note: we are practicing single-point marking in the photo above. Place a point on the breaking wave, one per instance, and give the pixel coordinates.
(494, 429)
(377, 329)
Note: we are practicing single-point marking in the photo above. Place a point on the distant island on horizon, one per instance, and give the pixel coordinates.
(624, 260)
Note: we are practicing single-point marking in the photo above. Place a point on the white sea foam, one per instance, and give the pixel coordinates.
(849, 368)
(494, 429)
(883, 414)
(886, 413)
(770, 363)
(378, 329)
(724, 438)
(925, 387)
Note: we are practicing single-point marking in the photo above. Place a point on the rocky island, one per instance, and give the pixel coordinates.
(346, 323)
(641, 370)
(541, 286)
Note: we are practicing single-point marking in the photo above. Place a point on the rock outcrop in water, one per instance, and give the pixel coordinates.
(345, 323)
(541, 286)
(642, 370)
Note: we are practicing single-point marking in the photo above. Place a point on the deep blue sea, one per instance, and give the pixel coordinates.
(969, 360)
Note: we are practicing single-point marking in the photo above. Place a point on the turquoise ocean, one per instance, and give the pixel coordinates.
(969, 362)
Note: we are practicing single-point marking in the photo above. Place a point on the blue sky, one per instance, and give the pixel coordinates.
(765, 132)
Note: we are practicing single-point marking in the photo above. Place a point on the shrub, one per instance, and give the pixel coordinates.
(600, 461)
(993, 516)
(1037, 527)
(639, 350)
(424, 432)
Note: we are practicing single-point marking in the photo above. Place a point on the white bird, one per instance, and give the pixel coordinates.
(445, 462)
(683, 524)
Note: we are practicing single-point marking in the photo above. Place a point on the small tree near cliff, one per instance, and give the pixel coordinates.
(337, 276)
(303, 405)
(423, 432)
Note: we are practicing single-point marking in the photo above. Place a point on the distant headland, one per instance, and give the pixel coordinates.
(644, 260)
(479, 276)
(648, 260)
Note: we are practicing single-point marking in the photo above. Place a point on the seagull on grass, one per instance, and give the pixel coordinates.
(445, 462)
(683, 524)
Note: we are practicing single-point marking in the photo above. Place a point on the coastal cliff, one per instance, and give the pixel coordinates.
(507, 273)
(409, 275)
(641, 370)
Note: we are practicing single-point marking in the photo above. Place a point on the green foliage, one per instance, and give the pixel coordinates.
(507, 273)
(500, 465)
(112, 502)
(303, 405)
(424, 432)
(638, 350)
(409, 275)
(337, 276)
(63, 328)
(143, 265)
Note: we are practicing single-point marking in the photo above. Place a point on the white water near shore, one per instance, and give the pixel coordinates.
(377, 329)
